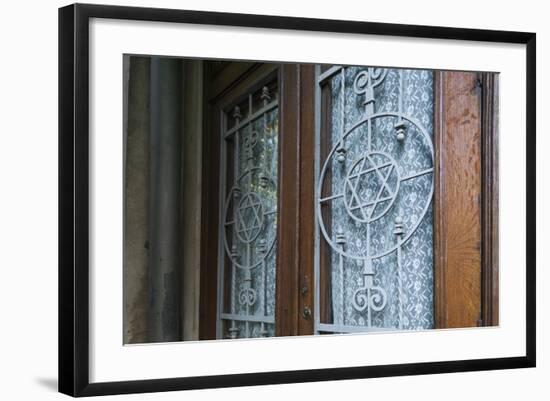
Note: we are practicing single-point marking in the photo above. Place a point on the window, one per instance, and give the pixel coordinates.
(374, 205)
(249, 219)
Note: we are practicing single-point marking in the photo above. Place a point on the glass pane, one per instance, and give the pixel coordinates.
(374, 200)
(250, 217)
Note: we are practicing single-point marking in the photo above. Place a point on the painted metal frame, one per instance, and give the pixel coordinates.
(74, 215)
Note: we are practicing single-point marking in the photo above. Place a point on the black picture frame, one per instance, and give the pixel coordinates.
(74, 198)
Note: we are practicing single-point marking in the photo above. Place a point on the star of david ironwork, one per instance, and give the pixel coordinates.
(369, 185)
(249, 217)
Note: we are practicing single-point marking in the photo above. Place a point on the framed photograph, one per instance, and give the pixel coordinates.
(250, 199)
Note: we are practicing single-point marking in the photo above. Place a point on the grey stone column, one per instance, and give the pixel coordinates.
(191, 183)
(165, 201)
(136, 197)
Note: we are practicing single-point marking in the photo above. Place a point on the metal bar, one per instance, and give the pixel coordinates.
(321, 77)
(264, 133)
(343, 111)
(369, 135)
(264, 301)
(236, 162)
(342, 298)
(251, 117)
(331, 197)
(341, 328)
(369, 261)
(369, 312)
(221, 232)
(265, 97)
(368, 240)
(248, 318)
(354, 175)
(384, 199)
(400, 282)
(248, 284)
(232, 298)
(418, 174)
(400, 106)
(378, 200)
(316, 300)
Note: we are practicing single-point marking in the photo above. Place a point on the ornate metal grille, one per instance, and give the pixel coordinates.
(373, 199)
(248, 228)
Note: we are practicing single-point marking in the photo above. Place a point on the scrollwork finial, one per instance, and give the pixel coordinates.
(266, 96)
(237, 113)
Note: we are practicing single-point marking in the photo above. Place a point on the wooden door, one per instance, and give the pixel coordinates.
(465, 200)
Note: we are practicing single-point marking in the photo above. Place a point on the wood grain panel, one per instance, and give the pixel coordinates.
(458, 200)
(287, 277)
(307, 211)
(489, 157)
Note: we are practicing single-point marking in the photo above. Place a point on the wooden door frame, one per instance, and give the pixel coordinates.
(490, 199)
(486, 87)
(295, 279)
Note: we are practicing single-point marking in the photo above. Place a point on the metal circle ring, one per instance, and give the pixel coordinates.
(325, 167)
(249, 206)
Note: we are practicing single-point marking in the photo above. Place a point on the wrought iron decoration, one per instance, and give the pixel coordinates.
(364, 188)
(249, 221)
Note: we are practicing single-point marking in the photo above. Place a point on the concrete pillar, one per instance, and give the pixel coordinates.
(136, 197)
(191, 183)
(165, 200)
